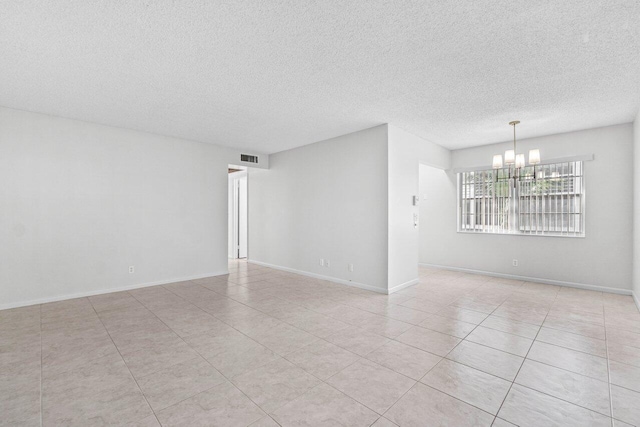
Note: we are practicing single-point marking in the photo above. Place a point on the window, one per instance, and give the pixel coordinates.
(548, 201)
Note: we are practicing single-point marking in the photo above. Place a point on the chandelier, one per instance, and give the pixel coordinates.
(515, 162)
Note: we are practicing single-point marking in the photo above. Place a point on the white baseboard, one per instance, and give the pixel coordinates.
(106, 291)
(635, 298)
(320, 276)
(403, 285)
(534, 279)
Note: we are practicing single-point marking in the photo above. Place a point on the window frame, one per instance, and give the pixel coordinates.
(574, 177)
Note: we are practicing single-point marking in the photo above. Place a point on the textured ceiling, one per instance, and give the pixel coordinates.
(272, 75)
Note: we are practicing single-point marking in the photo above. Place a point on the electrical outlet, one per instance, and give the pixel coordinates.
(132, 269)
(327, 263)
(515, 262)
(350, 267)
(321, 262)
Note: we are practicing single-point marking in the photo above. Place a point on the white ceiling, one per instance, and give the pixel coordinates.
(272, 75)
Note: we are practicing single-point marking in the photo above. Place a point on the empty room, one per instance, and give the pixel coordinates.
(301, 213)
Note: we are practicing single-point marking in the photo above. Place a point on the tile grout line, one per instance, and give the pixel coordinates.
(283, 321)
(363, 404)
(572, 332)
(606, 346)
(608, 360)
(555, 397)
(334, 374)
(230, 325)
(537, 361)
(433, 314)
(123, 361)
(564, 369)
(485, 346)
(323, 339)
(476, 327)
(445, 357)
(490, 314)
(279, 355)
(565, 401)
(573, 349)
(199, 354)
(41, 370)
(524, 359)
(284, 357)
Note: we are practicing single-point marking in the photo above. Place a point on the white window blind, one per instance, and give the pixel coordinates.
(547, 201)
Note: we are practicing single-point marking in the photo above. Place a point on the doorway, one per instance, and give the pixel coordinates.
(238, 215)
(438, 207)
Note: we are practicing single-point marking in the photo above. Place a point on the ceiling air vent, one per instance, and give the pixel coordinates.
(248, 158)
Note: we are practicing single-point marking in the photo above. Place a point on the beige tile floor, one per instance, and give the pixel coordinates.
(261, 347)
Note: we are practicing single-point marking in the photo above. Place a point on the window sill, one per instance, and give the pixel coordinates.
(487, 233)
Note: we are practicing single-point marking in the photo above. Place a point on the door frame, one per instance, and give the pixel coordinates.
(236, 211)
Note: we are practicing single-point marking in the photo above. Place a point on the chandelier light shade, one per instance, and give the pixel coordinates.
(534, 157)
(519, 161)
(509, 157)
(497, 161)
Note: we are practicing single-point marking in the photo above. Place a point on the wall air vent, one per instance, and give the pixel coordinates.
(248, 158)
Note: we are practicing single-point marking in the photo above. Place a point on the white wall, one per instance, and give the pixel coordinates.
(405, 152)
(80, 203)
(636, 209)
(324, 200)
(603, 258)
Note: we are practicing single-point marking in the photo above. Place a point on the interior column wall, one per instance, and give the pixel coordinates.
(406, 151)
(326, 200)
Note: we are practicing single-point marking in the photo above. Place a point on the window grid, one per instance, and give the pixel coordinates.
(549, 203)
